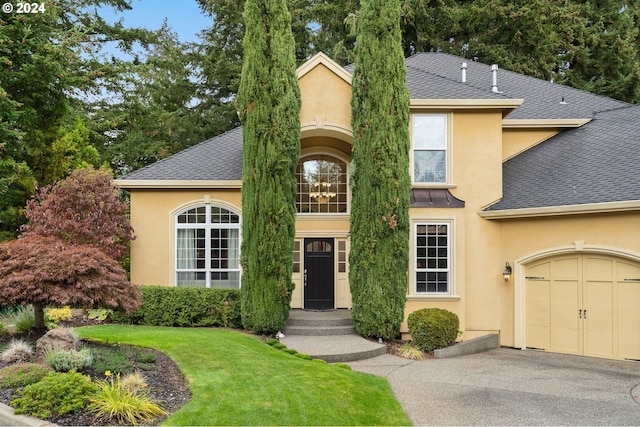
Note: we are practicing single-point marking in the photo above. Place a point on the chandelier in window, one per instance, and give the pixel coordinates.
(322, 192)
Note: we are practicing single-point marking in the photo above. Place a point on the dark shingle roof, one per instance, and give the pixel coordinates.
(219, 158)
(596, 163)
(429, 76)
(432, 75)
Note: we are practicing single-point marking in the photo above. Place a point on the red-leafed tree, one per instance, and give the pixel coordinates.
(43, 270)
(83, 209)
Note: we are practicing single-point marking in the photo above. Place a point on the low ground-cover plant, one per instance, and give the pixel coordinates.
(112, 360)
(433, 328)
(22, 374)
(63, 360)
(56, 394)
(173, 306)
(124, 401)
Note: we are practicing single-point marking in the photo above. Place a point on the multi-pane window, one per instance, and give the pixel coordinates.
(208, 248)
(432, 262)
(322, 185)
(429, 144)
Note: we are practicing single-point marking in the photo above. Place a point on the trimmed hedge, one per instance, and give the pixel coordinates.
(174, 306)
(433, 328)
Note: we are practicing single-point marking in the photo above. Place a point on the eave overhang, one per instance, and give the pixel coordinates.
(588, 208)
(506, 105)
(127, 184)
(543, 123)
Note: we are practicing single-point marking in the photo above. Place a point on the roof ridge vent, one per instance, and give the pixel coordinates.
(463, 69)
(494, 84)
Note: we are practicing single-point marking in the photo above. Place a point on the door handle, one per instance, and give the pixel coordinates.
(305, 277)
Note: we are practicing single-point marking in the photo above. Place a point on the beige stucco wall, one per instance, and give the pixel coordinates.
(515, 141)
(326, 104)
(477, 180)
(521, 239)
(153, 220)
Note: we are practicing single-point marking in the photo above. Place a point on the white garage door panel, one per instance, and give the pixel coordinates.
(582, 304)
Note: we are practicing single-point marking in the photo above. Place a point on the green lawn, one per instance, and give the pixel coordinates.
(236, 379)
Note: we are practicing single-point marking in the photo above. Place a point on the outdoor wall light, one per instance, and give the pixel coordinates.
(507, 271)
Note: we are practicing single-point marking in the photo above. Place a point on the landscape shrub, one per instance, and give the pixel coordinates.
(185, 306)
(58, 314)
(62, 360)
(16, 352)
(433, 328)
(22, 374)
(124, 401)
(3, 330)
(56, 394)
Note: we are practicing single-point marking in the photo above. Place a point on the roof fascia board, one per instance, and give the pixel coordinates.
(173, 184)
(543, 123)
(588, 208)
(321, 58)
(506, 105)
(466, 103)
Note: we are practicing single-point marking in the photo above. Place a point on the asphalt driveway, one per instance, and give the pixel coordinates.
(513, 387)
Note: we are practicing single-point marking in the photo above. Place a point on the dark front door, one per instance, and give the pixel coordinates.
(318, 274)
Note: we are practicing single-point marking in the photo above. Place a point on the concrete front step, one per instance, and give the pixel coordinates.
(319, 318)
(316, 331)
(335, 348)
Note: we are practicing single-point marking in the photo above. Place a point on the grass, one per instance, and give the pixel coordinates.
(236, 379)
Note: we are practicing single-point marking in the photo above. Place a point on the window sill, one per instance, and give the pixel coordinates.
(322, 216)
(433, 297)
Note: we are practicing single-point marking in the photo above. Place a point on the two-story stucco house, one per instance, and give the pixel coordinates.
(505, 169)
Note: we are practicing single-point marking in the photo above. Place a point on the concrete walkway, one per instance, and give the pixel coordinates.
(513, 387)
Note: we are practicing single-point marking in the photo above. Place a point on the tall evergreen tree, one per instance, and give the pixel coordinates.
(380, 181)
(269, 105)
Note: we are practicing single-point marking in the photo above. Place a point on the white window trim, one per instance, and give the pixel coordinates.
(208, 226)
(448, 154)
(451, 251)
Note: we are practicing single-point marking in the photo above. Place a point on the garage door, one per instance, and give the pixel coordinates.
(584, 304)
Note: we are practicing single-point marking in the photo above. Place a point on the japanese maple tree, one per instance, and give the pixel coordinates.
(83, 209)
(44, 270)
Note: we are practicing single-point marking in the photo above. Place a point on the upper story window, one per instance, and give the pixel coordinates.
(429, 143)
(208, 248)
(322, 184)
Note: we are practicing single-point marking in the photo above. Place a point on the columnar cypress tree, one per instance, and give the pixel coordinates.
(380, 180)
(269, 105)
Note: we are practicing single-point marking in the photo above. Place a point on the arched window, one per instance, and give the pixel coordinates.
(322, 185)
(208, 247)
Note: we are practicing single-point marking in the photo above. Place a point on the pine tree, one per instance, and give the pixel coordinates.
(269, 105)
(380, 180)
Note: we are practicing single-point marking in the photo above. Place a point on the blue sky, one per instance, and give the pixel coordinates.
(183, 16)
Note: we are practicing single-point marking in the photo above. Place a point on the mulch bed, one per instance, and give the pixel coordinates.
(166, 385)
